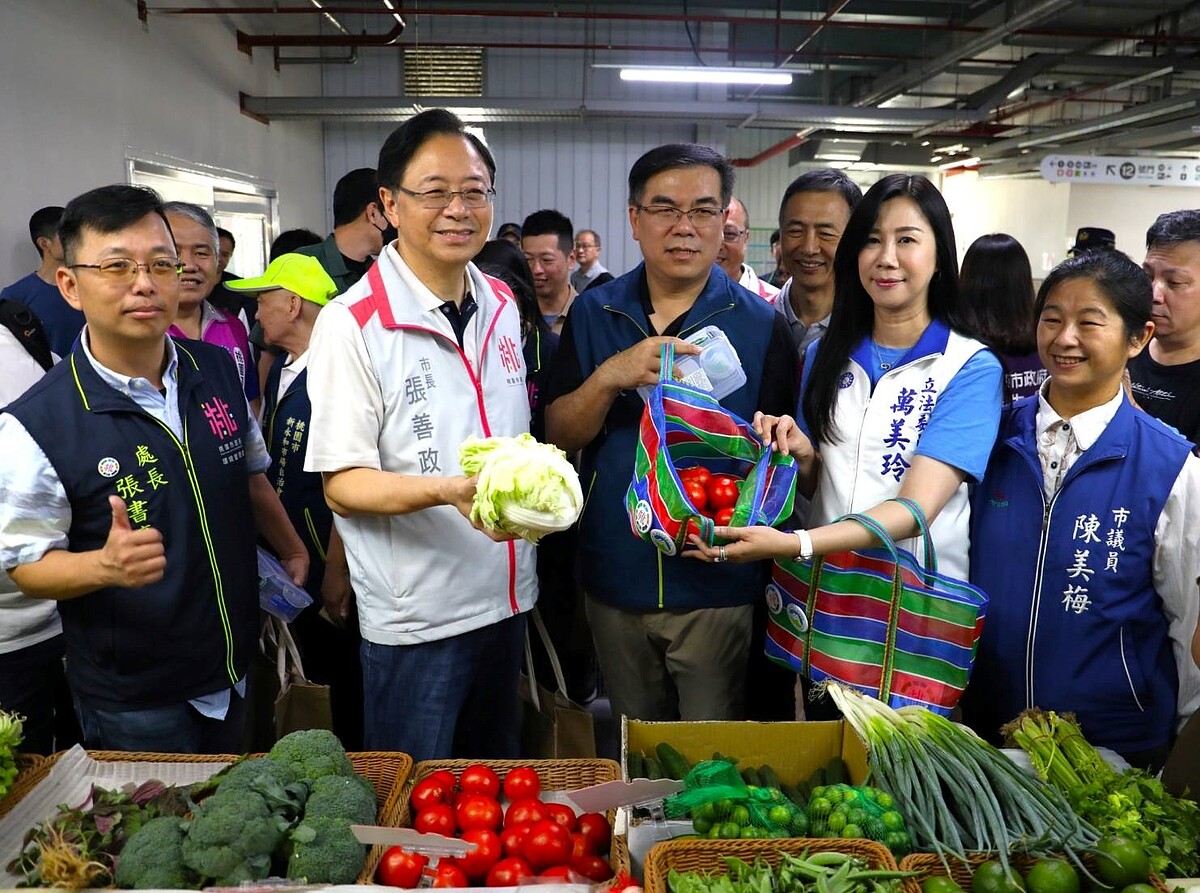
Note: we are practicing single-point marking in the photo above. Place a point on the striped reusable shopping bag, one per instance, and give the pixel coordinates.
(876, 620)
(684, 426)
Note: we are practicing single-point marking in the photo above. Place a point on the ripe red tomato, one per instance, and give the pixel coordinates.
(479, 779)
(522, 783)
(723, 517)
(696, 494)
(548, 843)
(525, 812)
(446, 777)
(399, 868)
(427, 792)
(478, 811)
(436, 819)
(593, 868)
(513, 838)
(449, 875)
(722, 491)
(558, 871)
(563, 814)
(509, 872)
(696, 473)
(595, 829)
(580, 846)
(477, 863)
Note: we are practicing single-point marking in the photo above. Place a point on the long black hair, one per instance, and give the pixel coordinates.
(996, 286)
(853, 315)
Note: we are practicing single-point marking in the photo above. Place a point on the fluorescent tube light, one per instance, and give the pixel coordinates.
(702, 75)
(962, 162)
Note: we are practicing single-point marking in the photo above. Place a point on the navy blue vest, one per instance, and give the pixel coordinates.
(615, 566)
(285, 426)
(193, 632)
(1074, 622)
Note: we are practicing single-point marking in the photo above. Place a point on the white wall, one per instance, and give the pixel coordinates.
(82, 86)
(1127, 210)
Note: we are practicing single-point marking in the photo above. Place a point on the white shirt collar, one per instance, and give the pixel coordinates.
(427, 300)
(1087, 425)
(124, 383)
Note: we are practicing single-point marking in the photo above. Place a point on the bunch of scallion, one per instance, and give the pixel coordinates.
(1131, 804)
(11, 734)
(958, 793)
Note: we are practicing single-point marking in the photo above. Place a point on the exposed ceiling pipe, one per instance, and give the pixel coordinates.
(793, 19)
(247, 42)
(771, 151)
(796, 50)
(898, 82)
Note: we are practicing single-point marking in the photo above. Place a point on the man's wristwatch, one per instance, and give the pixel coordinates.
(806, 544)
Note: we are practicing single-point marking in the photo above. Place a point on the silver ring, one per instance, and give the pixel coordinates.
(721, 556)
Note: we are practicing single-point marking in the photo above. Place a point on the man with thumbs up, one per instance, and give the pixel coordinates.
(132, 485)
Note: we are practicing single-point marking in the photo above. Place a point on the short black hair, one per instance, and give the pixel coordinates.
(774, 237)
(548, 222)
(676, 155)
(291, 239)
(825, 179)
(353, 192)
(1173, 228)
(505, 261)
(223, 233)
(107, 210)
(403, 142)
(44, 224)
(1118, 278)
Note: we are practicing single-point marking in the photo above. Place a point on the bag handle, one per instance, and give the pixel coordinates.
(931, 565)
(666, 368)
(555, 665)
(287, 656)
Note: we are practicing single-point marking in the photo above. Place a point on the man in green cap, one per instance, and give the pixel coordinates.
(291, 292)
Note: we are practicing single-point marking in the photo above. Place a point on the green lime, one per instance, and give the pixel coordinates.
(1052, 876)
(991, 877)
(819, 806)
(730, 830)
(884, 799)
(852, 830)
(1139, 888)
(939, 883)
(836, 823)
(892, 820)
(714, 833)
(1121, 862)
(701, 825)
(740, 815)
(706, 812)
(779, 815)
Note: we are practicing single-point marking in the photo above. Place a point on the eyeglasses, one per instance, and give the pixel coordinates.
(583, 246)
(123, 269)
(732, 234)
(436, 199)
(669, 215)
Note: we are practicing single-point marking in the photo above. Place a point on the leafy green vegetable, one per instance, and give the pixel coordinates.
(826, 872)
(524, 487)
(11, 734)
(1130, 804)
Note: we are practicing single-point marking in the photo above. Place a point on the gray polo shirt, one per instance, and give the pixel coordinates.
(803, 335)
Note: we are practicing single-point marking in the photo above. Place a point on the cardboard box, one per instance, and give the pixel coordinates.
(793, 749)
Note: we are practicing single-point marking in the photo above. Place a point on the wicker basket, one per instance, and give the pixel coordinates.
(385, 770)
(554, 775)
(707, 856)
(930, 865)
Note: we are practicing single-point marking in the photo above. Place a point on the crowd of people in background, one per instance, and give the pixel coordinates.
(159, 422)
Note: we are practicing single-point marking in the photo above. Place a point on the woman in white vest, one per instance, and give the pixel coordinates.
(897, 399)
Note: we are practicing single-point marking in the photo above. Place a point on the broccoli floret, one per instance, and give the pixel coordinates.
(325, 851)
(244, 772)
(153, 857)
(336, 796)
(312, 753)
(231, 838)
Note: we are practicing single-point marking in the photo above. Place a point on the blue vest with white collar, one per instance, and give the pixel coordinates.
(193, 632)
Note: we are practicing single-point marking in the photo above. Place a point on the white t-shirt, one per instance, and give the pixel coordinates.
(23, 621)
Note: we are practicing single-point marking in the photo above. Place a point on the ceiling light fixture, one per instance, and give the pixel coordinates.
(961, 162)
(667, 74)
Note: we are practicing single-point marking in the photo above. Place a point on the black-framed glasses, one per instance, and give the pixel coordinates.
(732, 234)
(124, 269)
(436, 199)
(669, 215)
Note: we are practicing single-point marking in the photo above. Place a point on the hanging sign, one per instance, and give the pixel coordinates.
(1137, 171)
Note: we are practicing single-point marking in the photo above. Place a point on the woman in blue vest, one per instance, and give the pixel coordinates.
(897, 400)
(1085, 532)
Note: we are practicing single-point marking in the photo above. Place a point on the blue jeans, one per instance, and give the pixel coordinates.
(455, 697)
(175, 728)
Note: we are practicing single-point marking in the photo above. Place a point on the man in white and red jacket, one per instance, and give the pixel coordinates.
(421, 353)
(735, 238)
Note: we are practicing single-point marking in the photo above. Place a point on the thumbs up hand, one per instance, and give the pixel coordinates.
(131, 558)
